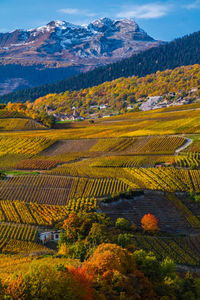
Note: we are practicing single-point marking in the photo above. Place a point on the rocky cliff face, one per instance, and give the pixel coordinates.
(60, 43)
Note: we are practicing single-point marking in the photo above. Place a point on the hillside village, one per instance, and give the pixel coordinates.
(144, 104)
(169, 99)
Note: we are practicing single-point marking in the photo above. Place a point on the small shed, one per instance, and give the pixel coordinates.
(46, 236)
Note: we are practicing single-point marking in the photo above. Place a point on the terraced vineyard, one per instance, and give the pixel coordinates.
(36, 164)
(40, 189)
(113, 145)
(170, 217)
(189, 160)
(69, 146)
(24, 248)
(17, 232)
(85, 169)
(145, 145)
(46, 162)
(19, 124)
(167, 179)
(79, 165)
(160, 145)
(57, 190)
(182, 250)
(4, 113)
(8, 161)
(131, 161)
(23, 145)
(191, 218)
(42, 215)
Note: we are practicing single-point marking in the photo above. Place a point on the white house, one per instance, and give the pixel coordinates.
(49, 236)
(103, 106)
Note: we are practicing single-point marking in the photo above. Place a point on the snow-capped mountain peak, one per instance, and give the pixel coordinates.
(102, 41)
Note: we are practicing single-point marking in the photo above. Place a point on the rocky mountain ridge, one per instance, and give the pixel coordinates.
(61, 43)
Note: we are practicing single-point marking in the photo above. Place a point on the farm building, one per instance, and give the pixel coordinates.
(49, 236)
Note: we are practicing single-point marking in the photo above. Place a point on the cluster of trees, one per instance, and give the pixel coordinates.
(24, 110)
(182, 51)
(111, 268)
(126, 91)
(51, 282)
(83, 232)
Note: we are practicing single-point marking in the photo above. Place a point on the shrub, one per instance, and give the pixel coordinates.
(122, 224)
(124, 240)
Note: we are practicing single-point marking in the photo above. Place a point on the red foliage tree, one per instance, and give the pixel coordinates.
(149, 223)
(83, 281)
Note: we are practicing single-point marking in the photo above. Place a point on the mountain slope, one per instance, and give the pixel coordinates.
(60, 49)
(123, 92)
(183, 51)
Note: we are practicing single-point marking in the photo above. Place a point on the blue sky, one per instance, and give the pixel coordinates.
(164, 20)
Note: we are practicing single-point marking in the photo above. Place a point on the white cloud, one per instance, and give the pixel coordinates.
(75, 11)
(193, 5)
(70, 11)
(146, 11)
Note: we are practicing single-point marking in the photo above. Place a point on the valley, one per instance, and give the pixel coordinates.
(100, 153)
(104, 160)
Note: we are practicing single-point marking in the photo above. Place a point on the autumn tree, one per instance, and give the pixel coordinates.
(97, 234)
(71, 226)
(83, 281)
(45, 281)
(116, 275)
(108, 258)
(149, 222)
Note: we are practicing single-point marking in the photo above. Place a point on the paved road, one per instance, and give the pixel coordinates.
(189, 141)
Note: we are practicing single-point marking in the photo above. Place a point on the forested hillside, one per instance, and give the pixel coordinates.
(183, 51)
(26, 76)
(126, 90)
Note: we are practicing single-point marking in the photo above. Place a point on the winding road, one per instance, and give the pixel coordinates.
(189, 141)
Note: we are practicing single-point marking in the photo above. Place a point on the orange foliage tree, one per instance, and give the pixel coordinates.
(149, 223)
(83, 281)
(116, 274)
(108, 258)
